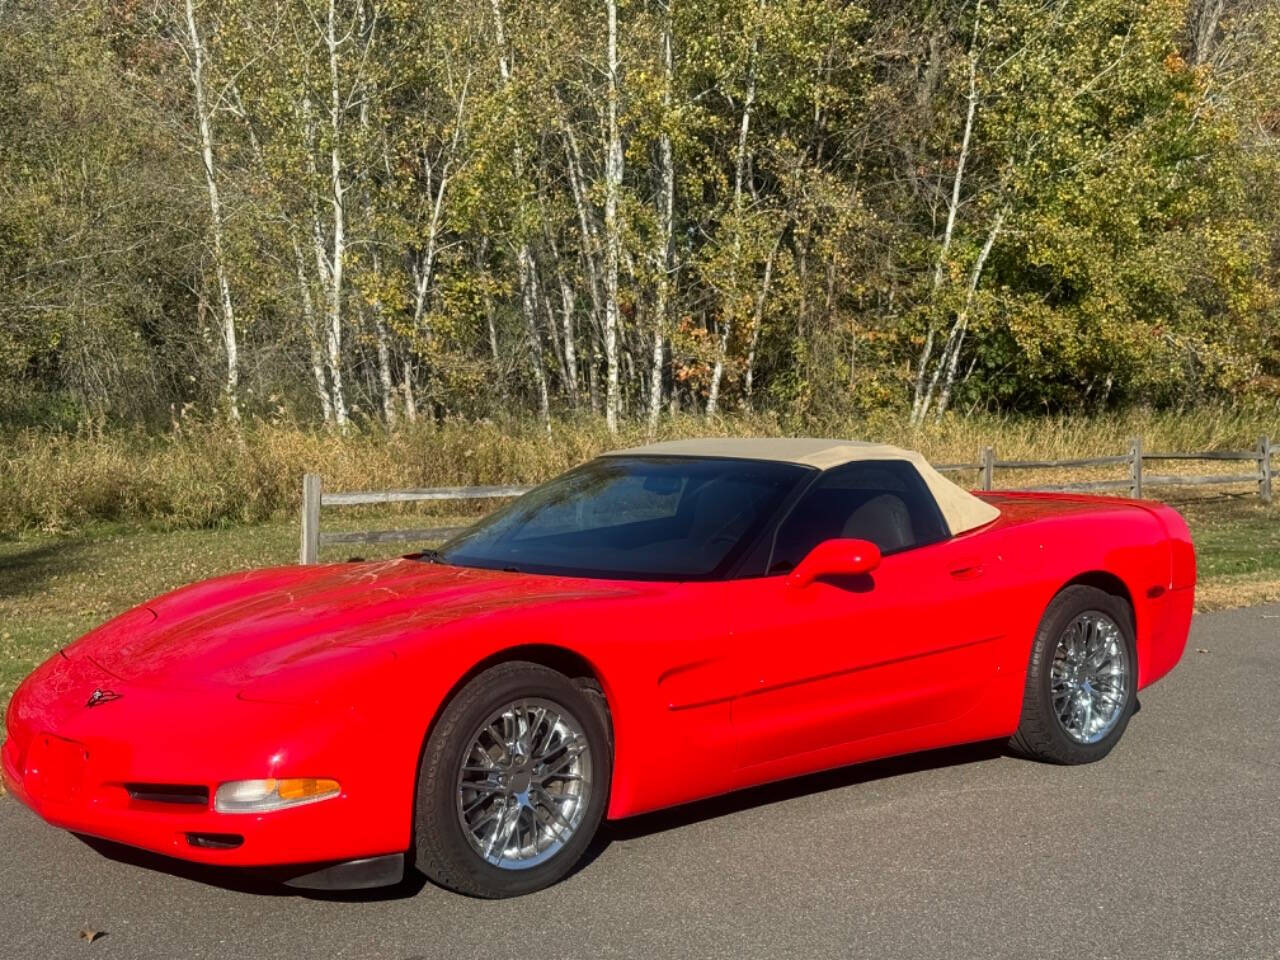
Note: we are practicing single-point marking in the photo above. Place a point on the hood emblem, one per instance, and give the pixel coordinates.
(99, 697)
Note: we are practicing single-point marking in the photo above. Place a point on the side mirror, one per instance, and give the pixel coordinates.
(835, 558)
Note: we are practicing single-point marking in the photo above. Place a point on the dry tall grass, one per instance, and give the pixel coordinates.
(203, 475)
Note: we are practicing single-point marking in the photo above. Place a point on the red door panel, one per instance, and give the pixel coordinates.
(914, 643)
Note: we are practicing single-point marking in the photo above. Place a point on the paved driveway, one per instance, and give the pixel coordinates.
(1169, 848)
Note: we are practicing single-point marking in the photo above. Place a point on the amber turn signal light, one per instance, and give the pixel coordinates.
(259, 796)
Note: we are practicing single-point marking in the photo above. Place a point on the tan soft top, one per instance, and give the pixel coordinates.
(962, 510)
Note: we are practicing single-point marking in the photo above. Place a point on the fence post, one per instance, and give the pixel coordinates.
(1264, 468)
(310, 549)
(1135, 468)
(988, 467)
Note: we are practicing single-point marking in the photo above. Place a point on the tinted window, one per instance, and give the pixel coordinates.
(633, 517)
(884, 501)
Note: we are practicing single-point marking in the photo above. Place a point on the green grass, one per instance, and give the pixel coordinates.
(1238, 546)
(54, 588)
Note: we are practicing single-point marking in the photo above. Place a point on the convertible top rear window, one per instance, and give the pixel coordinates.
(633, 518)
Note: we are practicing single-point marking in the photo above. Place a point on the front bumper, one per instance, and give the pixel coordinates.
(79, 768)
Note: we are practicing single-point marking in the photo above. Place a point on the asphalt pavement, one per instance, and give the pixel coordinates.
(1168, 848)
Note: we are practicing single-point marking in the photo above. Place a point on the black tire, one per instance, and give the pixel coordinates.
(442, 850)
(1040, 734)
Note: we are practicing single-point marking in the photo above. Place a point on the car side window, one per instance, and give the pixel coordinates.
(884, 501)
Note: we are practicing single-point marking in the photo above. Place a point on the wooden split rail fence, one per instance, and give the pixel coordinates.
(314, 497)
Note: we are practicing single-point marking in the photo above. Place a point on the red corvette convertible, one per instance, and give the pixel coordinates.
(656, 626)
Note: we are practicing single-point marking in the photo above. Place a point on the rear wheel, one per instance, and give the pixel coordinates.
(513, 782)
(1081, 678)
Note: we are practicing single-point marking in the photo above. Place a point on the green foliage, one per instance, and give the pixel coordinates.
(1122, 161)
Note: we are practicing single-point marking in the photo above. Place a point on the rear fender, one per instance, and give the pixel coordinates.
(1170, 610)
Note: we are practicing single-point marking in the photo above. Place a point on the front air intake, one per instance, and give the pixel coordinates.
(171, 793)
(215, 841)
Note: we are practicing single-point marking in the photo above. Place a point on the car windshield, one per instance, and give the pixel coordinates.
(653, 518)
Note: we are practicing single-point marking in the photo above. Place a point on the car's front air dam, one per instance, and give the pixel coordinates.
(365, 873)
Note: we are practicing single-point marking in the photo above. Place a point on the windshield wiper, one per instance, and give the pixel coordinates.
(430, 556)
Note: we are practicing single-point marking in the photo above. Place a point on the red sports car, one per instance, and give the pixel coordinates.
(659, 625)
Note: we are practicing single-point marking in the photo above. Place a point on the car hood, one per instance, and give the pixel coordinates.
(239, 629)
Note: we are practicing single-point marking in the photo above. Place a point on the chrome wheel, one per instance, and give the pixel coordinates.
(525, 783)
(1090, 677)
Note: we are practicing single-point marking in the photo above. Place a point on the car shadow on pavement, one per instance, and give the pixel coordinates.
(265, 881)
(782, 790)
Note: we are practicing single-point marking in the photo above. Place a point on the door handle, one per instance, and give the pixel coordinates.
(967, 570)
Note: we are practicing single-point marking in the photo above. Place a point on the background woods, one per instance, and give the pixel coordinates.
(357, 210)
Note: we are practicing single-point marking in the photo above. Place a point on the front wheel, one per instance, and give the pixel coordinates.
(1082, 679)
(513, 782)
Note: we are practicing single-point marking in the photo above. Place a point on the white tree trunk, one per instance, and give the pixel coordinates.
(1205, 21)
(493, 334)
(384, 369)
(382, 341)
(612, 234)
(232, 382)
(406, 383)
(758, 320)
(918, 405)
(655, 367)
(529, 296)
(666, 226)
(951, 356)
(365, 91)
(568, 306)
(338, 256)
(524, 259)
(553, 331)
(593, 376)
(313, 334)
(323, 267)
(590, 242)
(425, 269)
(740, 169)
(568, 300)
(481, 259)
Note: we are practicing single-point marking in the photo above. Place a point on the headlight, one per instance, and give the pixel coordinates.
(260, 796)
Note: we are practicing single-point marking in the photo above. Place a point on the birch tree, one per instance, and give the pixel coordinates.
(739, 179)
(664, 254)
(526, 269)
(612, 229)
(919, 406)
(949, 358)
(335, 264)
(436, 174)
(757, 322)
(312, 333)
(196, 56)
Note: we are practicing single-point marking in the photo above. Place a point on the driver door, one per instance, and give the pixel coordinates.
(829, 667)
